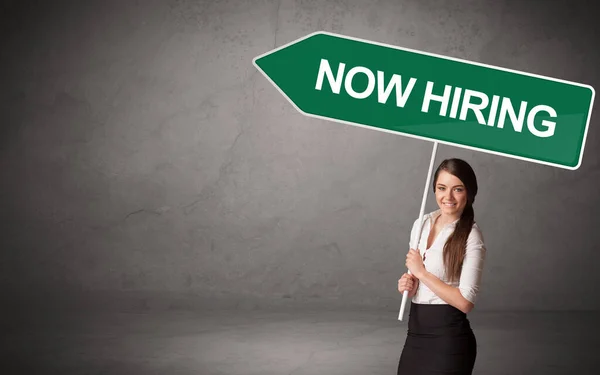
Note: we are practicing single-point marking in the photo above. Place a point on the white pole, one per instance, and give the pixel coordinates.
(414, 246)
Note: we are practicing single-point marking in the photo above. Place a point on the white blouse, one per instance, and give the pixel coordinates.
(470, 279)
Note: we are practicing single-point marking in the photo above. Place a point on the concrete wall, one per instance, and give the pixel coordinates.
(143, 155)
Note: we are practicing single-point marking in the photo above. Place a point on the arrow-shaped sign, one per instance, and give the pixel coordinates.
(432, 97)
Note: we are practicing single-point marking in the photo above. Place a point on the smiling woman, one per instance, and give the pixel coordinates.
(445, 277)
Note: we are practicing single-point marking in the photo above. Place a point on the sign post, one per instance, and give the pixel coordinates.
(432, 97)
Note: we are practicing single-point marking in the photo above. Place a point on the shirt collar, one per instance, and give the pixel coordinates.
(434, 215)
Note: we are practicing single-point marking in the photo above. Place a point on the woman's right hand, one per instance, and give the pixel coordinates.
(408, 282)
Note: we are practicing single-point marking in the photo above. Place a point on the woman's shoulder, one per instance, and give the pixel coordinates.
(426, 216)
(476, 234)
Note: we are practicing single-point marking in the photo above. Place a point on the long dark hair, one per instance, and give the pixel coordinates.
(455, 247)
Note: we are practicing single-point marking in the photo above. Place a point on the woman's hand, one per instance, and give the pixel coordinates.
(408, 282)
(414, 263)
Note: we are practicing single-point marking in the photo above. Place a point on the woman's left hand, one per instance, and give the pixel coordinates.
(414, 263)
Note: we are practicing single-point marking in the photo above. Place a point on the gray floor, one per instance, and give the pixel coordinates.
(280, 341)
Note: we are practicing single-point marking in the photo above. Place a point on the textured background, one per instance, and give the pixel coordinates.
(145, 162)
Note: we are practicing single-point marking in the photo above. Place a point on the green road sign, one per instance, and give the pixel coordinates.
(432, 97)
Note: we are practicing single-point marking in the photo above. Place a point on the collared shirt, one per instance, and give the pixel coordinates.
(472, 268)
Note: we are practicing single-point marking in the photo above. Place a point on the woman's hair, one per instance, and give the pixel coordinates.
(455, 247)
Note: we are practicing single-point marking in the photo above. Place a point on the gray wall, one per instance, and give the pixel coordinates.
(143, 155)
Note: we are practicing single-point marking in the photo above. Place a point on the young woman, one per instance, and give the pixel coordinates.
(445, 278)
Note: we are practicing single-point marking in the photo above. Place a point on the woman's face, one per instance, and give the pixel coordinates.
(450, 194)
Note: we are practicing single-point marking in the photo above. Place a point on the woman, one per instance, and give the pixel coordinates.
(445, 278)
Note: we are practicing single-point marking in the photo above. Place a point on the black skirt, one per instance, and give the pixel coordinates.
(439, 341)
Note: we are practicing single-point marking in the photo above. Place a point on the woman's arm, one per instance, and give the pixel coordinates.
(414, 291)
(451, 295)
(462, 297)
